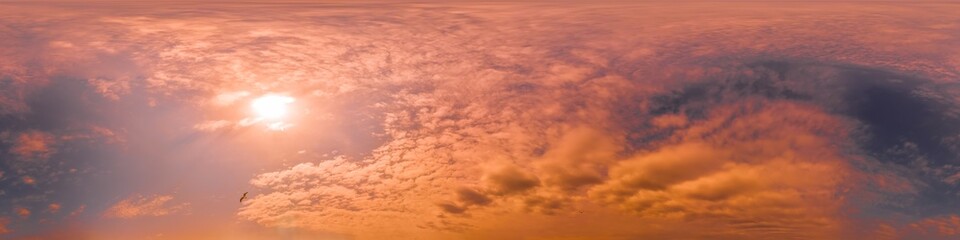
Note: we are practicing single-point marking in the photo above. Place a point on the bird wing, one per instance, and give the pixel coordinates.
(243, 197)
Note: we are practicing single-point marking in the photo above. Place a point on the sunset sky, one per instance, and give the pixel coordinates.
(432, 120)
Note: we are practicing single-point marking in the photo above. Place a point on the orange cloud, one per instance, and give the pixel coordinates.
(545, 106)
(578, 159)
(140, 206)
(22, 212)
(29, 180)
(34, 145)
(510, 180)
(942, 227)
(751, 169)
(53, 207)
(3, 225)
(465, 198)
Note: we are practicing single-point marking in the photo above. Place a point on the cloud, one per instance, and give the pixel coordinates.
(934, 227)
(578, 159)
(766, 169)
(3, 226)
(510, 180)
(544, 204)
(210, 126)
(451, 208)
(465, 198)
(111, 89)
(472, 197)
(324, 194)
(78, 211)
(53, 208)
(745, 151)
(670, 121)
(94, 133)
(942, 227)
(34, 145)
(228, 98)
(22, 212)
(952, 179)
(140, 206)
(29, 180)
(462, 117)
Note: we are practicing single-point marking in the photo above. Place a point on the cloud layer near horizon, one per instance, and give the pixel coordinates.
(484, 121)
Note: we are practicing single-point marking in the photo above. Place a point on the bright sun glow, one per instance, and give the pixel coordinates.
(271, 107)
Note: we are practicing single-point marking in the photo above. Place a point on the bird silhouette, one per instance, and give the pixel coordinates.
(243, 197)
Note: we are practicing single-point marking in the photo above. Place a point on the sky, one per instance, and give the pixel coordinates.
(432, 120)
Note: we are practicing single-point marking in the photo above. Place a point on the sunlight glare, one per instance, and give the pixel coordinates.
(271, 107)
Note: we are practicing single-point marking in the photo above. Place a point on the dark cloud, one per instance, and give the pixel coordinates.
(899, 109)
(544, 205)
(510, 180)
(471, 197)
(451, 208)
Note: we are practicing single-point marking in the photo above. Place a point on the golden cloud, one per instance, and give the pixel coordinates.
(145, 206)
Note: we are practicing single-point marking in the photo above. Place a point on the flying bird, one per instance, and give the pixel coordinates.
(243, 197)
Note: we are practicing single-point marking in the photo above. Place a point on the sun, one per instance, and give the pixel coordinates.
(271, 107)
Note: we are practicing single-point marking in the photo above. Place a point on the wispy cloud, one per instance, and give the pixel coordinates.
(145, 206)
